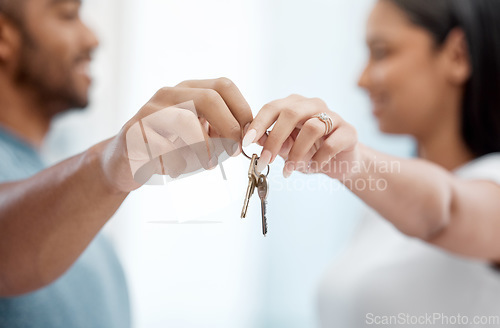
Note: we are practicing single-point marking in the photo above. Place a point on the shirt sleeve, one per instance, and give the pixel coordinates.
(484, 168)
(17, 163)
(7, 165)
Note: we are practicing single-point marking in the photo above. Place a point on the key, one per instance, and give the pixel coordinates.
(262, 190)
(252, 183)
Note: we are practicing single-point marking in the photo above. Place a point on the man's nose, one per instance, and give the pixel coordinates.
(91, 39)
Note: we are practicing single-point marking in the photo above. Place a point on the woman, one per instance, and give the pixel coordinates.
(426, 252)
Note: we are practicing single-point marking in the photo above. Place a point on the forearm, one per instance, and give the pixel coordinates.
(47, 221)
(414, 195)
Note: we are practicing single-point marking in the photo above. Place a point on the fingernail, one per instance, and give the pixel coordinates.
(249, 137)
(263, 161)
(213, 163)
(236, 150)
(245, 129)
(288, 169)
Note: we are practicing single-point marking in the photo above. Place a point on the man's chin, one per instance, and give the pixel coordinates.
(79, 99)
(71, 104)
(81, 104)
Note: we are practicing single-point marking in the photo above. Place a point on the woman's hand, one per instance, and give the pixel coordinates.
(300, 138)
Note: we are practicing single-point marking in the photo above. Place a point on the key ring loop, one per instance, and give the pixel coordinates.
(250, 158)
(243, 152)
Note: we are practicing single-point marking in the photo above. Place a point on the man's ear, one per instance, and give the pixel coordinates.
(9, 39)
(456, 56)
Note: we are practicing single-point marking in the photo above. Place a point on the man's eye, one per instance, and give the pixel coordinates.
(70, 15)
(69, 12)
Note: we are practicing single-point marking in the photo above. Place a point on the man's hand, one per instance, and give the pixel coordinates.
(180, 130)
(60, 210)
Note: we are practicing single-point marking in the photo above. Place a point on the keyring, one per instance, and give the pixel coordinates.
(250, 158)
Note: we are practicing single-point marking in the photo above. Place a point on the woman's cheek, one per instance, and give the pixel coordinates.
(378, 75)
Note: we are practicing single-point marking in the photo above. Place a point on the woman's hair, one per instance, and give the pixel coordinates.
(480, 21)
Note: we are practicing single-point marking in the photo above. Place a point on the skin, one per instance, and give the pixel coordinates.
(415, 88)
(74, 199)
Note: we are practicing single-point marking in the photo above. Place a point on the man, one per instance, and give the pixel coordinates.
(56, 270)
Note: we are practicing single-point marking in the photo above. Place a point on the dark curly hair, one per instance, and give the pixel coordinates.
(13, 9)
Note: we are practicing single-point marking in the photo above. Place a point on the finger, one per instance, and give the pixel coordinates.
(212, 133)
(230, 93)
(176, 123)
(207, 104)
(309, 141)
(266, 118)
(262, 140)
(306, 165)
(154, 164)
(142, 164)
(138, 152)
(173, 164)
(337, 142)
(230, 139)
(291, 117)
(285, 149)
(204, 123)
(192, 133)
(287, 146)
(310, 133)
(146, 171)
(274, 142)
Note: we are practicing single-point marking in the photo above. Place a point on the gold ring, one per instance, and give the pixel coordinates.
(323, 117)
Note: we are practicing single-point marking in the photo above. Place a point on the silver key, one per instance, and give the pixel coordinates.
(252, 183)
(262, 190)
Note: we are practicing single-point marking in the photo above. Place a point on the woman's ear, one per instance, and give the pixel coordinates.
(456, 56)
(9, 40)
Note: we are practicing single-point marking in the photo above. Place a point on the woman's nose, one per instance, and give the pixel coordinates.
(364, 81)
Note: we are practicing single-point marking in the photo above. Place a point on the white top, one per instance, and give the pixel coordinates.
(386, 277)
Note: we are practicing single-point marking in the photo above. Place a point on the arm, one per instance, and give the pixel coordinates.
(48, 220)
(420, 198)
(426, 201)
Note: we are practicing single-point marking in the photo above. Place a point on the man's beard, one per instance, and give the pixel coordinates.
(47, 79)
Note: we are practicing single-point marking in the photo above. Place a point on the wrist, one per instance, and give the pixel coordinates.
(95, 157)
(358, 164)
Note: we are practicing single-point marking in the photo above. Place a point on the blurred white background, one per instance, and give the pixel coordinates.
(222, 272)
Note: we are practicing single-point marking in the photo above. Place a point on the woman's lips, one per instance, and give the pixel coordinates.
(378, 103)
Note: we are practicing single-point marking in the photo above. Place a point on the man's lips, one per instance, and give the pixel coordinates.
(83, 68)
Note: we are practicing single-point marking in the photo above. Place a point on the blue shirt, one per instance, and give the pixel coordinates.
(91, 294)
